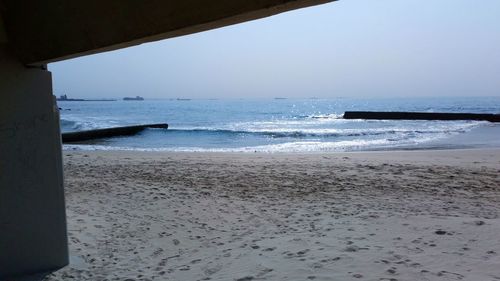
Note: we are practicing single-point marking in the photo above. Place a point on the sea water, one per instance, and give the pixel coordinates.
(280, 125)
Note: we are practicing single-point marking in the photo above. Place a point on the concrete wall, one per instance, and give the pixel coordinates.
(32, 211)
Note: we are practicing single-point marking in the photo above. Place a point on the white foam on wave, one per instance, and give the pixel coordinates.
(299, 127)
(306, 146)
(292, 147)
(389, 138)
(76, 123)
(326, 116)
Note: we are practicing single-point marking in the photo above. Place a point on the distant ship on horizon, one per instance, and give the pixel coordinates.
(65, 98)
(132, 98)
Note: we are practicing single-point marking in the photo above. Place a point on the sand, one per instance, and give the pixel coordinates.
(416, 215)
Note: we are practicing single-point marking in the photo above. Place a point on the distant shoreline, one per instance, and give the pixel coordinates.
(87, 100)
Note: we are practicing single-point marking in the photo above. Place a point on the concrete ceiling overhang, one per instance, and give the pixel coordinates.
(41, 32)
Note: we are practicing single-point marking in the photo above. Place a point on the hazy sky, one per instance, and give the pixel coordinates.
(362, 48)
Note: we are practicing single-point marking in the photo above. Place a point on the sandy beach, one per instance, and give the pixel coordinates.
(410, 215)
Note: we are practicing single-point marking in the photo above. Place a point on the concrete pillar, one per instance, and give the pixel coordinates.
(33, 238)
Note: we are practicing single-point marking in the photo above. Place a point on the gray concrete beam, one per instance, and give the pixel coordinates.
(52, 30)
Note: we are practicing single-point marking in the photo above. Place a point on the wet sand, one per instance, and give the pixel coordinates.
(416, 215)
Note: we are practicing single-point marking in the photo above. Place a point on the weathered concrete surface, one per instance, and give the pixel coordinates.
(32, 212)
(52, 30)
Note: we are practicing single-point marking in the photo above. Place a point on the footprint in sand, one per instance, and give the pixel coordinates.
(212, 270)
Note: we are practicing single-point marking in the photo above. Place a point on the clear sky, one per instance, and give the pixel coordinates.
(362, 48)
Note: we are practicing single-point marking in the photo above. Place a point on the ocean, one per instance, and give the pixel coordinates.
(280, 125)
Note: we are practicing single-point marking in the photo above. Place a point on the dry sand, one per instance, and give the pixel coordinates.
(421, 215)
